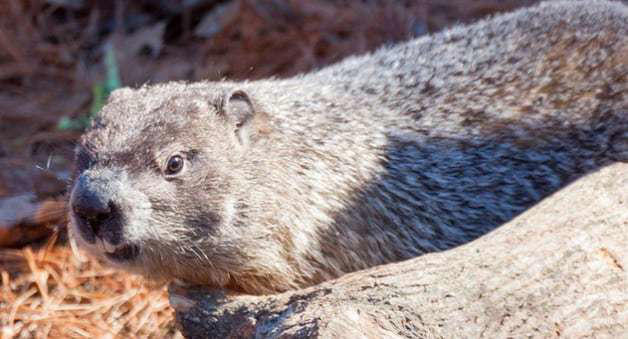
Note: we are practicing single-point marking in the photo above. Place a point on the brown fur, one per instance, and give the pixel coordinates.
(415, 148)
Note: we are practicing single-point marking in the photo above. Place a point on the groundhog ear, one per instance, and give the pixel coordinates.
(239, 112)
(238, 108)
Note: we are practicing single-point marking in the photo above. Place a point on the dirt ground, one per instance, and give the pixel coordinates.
(51, 70)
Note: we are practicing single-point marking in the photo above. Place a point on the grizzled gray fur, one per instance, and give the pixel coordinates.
(270, 185)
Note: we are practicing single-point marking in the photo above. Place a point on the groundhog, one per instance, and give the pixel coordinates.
(264, 186)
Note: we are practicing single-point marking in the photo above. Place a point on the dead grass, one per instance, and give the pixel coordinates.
(50, 293)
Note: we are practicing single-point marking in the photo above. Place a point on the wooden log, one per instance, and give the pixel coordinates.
(559, 269)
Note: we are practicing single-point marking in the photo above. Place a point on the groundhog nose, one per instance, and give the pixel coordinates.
(93, 211)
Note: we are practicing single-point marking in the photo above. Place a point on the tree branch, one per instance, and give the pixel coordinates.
(559, 269)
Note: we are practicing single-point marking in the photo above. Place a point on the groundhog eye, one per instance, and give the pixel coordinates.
(174, 165)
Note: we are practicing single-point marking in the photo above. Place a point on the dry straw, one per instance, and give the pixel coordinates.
(50, 293)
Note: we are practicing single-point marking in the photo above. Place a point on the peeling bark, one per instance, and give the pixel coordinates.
(559, 269)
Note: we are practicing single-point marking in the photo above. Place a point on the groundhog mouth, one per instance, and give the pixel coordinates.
(123, 253)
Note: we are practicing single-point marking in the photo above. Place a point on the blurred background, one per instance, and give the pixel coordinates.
(59, 59)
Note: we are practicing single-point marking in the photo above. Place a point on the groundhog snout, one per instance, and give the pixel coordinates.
(97, 213)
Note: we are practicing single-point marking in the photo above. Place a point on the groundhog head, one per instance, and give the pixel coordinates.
(158, 181)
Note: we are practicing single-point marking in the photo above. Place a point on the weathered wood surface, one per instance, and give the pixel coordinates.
(559, 269)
